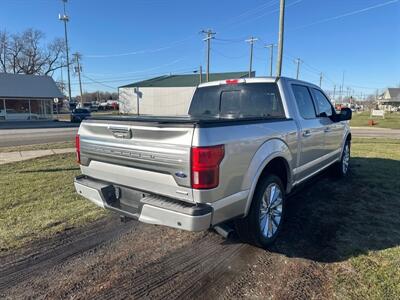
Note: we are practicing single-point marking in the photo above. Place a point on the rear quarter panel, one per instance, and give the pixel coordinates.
(247, 148)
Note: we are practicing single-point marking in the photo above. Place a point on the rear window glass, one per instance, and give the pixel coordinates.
(254, 100)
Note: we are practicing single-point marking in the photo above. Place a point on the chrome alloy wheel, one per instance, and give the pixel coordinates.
(271, 210)
(346, 159)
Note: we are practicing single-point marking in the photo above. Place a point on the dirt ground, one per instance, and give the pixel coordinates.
(112, 260)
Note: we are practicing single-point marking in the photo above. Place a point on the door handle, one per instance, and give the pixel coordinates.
(306, 133)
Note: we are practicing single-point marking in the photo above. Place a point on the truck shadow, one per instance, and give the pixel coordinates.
(331, 220)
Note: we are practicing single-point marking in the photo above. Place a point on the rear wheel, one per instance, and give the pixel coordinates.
(263, 222)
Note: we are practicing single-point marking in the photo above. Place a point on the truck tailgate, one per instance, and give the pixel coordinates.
(142, 155)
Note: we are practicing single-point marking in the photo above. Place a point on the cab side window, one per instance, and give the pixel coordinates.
(324, 105)
(304, 101)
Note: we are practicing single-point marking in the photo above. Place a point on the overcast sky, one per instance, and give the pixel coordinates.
(124, 41)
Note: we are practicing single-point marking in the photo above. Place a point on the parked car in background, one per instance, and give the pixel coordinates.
(79, 114)
(17, 116)
(86, 105)
(109, 105)
(244, 146)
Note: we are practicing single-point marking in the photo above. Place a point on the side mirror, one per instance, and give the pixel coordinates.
(345, 114)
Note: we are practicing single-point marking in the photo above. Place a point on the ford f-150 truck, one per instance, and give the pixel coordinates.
(242, 148)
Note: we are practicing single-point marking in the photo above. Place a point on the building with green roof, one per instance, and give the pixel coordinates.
(165, 95)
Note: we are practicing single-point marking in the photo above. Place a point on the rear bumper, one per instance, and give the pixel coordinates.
(145, 207)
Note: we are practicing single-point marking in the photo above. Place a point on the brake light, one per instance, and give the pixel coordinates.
(78, 148)
(232, 81)
(205, 166)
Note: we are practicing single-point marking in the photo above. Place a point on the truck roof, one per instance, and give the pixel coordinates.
(251, 80)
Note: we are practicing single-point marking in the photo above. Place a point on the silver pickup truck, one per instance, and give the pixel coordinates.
(242, 148)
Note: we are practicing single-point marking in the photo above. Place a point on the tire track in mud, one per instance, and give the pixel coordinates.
(62, 248)
(181, 274)
(110, 260)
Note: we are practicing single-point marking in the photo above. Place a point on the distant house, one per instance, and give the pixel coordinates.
(390, 99)
(165, 95)
(27, 97)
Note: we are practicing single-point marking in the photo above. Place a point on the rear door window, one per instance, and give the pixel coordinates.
(304, 101)
(254, 100)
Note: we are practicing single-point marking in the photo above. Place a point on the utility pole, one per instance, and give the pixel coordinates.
(342, 87)
(271, 57)
(280, 41)
(209, 35)
(251, 41)
(78, 69)
(137, 92)
(62, 84)
(65, 19)
(334, 92)
(201, 74)
(298, 61)
(320, 79)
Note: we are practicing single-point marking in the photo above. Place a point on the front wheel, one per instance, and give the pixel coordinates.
(263, 223)
(341, 168)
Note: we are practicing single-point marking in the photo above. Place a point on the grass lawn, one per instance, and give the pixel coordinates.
(370, 237)
(391, 120)
(60, 145)
(37, 199)
(350, 226)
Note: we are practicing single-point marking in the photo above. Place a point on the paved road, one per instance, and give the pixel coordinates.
(18, 137)
(375, 132)
(36, 124)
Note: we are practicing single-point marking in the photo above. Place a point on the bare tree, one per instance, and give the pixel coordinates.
(98, 96)
(25, 53)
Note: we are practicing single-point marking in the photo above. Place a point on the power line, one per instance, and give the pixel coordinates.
(144, 70)
(265, 14)
(229, 40)
(249, 13)
(130, 78)
(143, 51)
(347, 14)
(98, 82)
(227, 56)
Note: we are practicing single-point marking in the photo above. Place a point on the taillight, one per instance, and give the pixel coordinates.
(205, 166)
(78, 148)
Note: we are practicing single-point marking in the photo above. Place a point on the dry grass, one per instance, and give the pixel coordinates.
(391, 120)
(38, 199)
(371, 238)
(60, 145)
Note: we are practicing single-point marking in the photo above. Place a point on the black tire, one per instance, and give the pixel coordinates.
(338, 168)
(249, 228)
